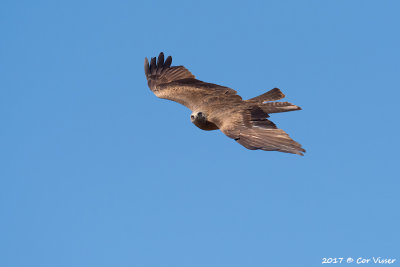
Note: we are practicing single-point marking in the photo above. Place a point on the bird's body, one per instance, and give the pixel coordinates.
(219, 107)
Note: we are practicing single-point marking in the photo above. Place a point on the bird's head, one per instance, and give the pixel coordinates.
(198, 117)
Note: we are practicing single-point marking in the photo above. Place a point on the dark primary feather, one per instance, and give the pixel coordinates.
(160, 63)
(146, 67)
(168, 62)
(153, 66)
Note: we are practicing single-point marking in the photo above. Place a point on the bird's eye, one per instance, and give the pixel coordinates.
(191, 116)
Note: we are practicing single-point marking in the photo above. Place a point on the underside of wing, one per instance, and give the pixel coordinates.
(253, 131)
(269, 140)
(178, 84)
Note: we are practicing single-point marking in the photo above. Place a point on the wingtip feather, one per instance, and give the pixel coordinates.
(168, 62)
(160, 63)
(146, 67)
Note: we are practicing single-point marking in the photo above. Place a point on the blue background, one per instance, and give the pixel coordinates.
(97, 171)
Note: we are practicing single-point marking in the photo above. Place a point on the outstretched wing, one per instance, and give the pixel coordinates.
(178, 84)
(251, 129)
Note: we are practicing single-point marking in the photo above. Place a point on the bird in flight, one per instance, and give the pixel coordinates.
(218, 107)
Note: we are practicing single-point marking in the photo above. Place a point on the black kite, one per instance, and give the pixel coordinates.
(218, 107)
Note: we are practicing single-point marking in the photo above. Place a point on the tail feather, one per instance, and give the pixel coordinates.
(271, 95)
(276, 107)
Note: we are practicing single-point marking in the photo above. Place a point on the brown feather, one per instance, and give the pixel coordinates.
(276, 107)
(269, 140)
(153, 66)
(146, 67)
(178, 84)
(271, 95)
(160, 63)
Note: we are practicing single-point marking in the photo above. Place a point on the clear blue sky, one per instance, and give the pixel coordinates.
(97, 171)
